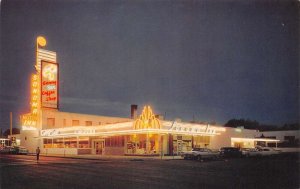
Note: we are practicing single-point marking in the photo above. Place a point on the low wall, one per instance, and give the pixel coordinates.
(62, 151)
(114, 150)
(84, 151)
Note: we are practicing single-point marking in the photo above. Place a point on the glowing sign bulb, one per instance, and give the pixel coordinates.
(41, 41)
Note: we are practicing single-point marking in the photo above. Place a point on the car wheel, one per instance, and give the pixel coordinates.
(199, 158)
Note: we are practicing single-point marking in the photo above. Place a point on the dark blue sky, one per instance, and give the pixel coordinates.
(211, 60)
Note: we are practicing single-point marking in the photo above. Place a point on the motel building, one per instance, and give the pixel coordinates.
(146, 134)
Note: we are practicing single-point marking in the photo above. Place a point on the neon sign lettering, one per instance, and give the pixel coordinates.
(49, 132)
(92, 131)
(49, 84)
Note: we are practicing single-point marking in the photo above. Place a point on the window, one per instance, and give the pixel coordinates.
(116, 141)
(47, 143)
(58, 143)
(50, 122)
(100, 123)
(75, 122)
(88, 123)
(200, 141)
(71, 142)
(83, 142)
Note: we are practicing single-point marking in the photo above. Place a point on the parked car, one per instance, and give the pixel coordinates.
(5, 150)
(266, 151)
(259, 151)
(230, 152)
(18, 150)
(250, 152)
(200, 153)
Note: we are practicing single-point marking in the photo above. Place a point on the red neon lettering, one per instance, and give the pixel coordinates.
(49, 82)
(48, 93)
(50, 99)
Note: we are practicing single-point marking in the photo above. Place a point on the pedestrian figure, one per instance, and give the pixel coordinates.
(38, 154)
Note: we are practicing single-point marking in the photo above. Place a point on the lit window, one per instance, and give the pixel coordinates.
(88, 123)
(70, 142)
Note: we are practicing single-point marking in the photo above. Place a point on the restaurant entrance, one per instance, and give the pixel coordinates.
(99, 147)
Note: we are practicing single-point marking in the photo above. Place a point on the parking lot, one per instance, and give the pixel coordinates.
(20, 171)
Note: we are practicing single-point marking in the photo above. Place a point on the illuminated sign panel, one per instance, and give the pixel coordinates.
(34, 94)
(29, 120)
(44, 55)
(44, 85)
(57, 132)
(49, 85)
(147, 120)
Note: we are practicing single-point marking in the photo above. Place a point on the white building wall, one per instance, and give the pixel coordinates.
(60, 116)
(224, 139)
(30, 140)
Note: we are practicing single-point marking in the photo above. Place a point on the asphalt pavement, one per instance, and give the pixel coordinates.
(22, 172)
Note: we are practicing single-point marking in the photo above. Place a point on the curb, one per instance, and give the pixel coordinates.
(129, 158)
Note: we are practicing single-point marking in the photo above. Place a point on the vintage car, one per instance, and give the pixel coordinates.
(259, 151)
(250, 152)
(18, 150)
(200, 153)
(5, 149)
(267, 151)
(230, 152)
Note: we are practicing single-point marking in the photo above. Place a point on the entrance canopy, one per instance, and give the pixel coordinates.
(254, 140)
(126, 128)
(147, 123)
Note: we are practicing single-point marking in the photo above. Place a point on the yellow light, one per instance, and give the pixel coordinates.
(41, 41)
(147, 120)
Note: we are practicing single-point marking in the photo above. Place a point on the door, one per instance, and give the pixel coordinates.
(99, 147)
(238, 145)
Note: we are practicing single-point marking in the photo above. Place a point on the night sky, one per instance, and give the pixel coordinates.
(211, 61)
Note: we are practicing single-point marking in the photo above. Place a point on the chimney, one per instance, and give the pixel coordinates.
(133, 111)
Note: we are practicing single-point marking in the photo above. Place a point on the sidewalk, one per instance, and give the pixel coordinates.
(108, 157)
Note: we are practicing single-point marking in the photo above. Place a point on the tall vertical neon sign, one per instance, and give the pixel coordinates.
(30, 120)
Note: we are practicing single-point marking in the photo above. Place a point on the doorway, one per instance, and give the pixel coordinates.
(238, 145)
(99, 147)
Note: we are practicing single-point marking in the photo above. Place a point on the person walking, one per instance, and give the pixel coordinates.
(38, 154)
